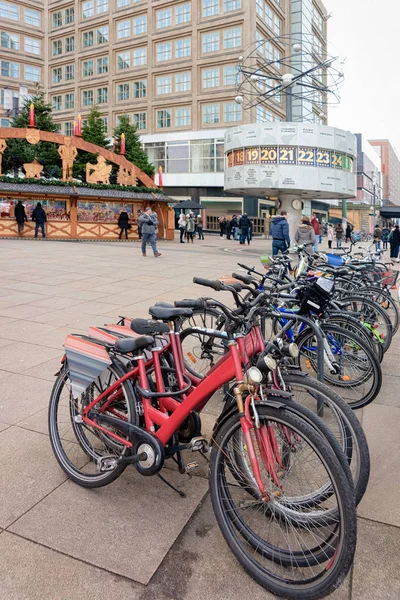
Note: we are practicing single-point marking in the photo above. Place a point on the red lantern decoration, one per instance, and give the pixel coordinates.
(32, 115)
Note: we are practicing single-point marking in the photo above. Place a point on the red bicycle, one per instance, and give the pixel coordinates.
(280, 496)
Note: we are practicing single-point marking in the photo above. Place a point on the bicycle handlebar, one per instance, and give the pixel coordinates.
(198, 303)
(247, 279)
(213, 284)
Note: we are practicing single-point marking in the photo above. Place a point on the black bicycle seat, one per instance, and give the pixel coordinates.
(169, 314)
(133, 344)
(148, 327)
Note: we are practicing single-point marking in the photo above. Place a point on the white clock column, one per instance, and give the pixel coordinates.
(293, 204)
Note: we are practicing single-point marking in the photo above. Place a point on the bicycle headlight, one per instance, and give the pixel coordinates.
(293, 350)
(253, 376)
(270, 362)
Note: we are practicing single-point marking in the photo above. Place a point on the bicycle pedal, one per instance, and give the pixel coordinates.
(191, 467)
(106, 463)
(198, 444)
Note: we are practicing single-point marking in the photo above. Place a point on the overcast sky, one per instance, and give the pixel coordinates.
(367, 34)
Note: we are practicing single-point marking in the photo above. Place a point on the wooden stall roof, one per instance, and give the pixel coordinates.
(24, 189)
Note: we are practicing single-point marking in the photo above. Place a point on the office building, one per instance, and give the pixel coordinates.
(390, 168)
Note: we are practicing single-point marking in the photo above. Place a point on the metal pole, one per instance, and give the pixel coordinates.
(289, 104)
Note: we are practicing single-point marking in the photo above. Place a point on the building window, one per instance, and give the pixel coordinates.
(232, 38)
(32, 73)
(68, 128)
(163, 119)
(164, 85)
(183, 82)
(102, 65)
(70, 44)
(230, 5)
(123, 29)
(123, 60)
(87, 39)
(210, 114)
(140, 25)
(232, 112)
(57, 19)
(164, 18)
(182, 117)
(87, 68)
(317, 19)
(87, 97)
(57, 47)
(231, 74)
(182, 48)
(5, 123)
(122, 92)
(182, 13)
(122, 3)
(277, 25)
(102, 35)
(210, 8)
(277, 57)
(69, 15)
(268, 16)
(70, 100)
(32, 45)
(211, 42)
(140, 88)
(164, 51)
(8, 11)
(32, 17)
(9, 40)
(69, 72)
(57, 75)
(104, 120)
(57, 102)
(102, 6)
(88, 9)
(140, 120)
(211, 78)
(139, 57)
(9, 69)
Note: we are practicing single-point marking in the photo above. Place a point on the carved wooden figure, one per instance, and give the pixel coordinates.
(99, 173)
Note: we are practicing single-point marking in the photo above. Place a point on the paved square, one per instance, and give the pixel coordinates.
(136, 538)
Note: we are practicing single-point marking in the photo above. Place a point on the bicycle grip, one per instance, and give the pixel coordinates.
(215, 285)
(232, 286)
(191, 303)
(244, 278)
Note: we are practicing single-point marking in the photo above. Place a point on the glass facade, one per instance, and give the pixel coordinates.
(193, 156)
(103, 211)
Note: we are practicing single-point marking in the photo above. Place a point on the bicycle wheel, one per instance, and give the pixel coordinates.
(77, 446)
(385, 300)
(358, 376)
(277, 541)
(371, 313)
(359, 328)
(202, 351)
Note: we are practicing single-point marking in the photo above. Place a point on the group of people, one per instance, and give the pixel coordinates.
(237, 228)
(388, 236)
(38, 216)
(189, 225)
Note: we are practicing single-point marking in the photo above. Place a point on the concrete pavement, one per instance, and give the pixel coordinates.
(59, 541)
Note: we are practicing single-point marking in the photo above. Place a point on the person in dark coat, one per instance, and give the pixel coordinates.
(235, 227)
(228, 229)
(20, 216)
(279, 232)
(385, 237)
(40, 218)
(123, 224)
(139, 227)
(245, 227)
(395, 243)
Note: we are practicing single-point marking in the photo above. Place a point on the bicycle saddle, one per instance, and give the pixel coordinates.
(148, 327)
(169, 314)
(132, 344)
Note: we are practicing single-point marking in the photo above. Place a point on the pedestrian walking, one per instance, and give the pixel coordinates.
(279, 232)
(305, 233)
(190, 228)
(40, 218)
(331, 235)
(395, 243)
(228, 229)
(385, 237)
(317, 230)
(123, 223)
(20, 217)
(149, 223)
(140, 212)
(244, 227)
(377, 237)
(182, 226)
(339, 235)
(235, 227)
(200, 227)
(222, 226)
(348, 233)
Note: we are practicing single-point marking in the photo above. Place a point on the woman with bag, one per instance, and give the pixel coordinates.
(123, 223)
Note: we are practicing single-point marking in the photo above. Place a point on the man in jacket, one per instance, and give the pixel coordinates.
(235, 227)
(317, 230)
(280, 233)
(40, 218)
(20, 216)
(149, 223)
(244, 226)
(377, 237)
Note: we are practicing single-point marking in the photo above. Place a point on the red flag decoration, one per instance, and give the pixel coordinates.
(32, 115)
(160, 177)
(122, 144)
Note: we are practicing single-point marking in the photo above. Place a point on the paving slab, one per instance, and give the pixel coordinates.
(36, 573)
(21, 356)
(382, 426)
(389, 394)
(377, 562)
(22, 396)
(27, 472)
(49, 368)
(127, 527)
(37, 422)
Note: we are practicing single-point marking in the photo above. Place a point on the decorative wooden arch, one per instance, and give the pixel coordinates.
(33, 136)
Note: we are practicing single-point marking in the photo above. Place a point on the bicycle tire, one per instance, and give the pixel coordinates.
(383, 296)
(273, 573)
